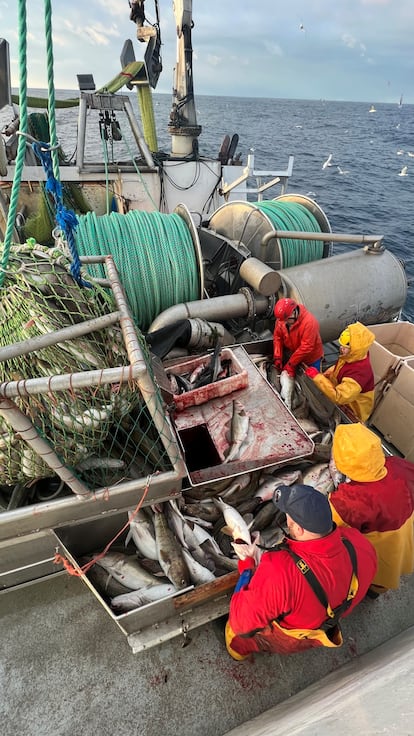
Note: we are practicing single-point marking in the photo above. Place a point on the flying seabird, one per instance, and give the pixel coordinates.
(327, 162)
(403, 171)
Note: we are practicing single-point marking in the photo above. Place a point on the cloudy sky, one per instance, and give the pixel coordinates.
(330, 49)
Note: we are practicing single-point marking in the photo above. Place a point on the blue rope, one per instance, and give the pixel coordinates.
(65, 218)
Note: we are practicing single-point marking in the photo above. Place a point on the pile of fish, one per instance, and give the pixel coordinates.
(203, 373)
(187, 541)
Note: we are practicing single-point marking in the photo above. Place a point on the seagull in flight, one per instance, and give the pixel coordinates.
(403, 171)
(327, 162)
(341, 171)
(301, 27)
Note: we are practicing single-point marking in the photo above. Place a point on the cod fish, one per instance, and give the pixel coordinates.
(137, 598)
(127, 570)
(238, 431)
(169, 552)
(141, 529)
(271, 482)
(103, 581)
(287, 386)
(199, 574)
(319, 476)
(234, 521)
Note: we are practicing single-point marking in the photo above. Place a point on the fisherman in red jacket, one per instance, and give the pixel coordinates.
(294, 598)
(296, 337)
(377, 499)
(350, 382)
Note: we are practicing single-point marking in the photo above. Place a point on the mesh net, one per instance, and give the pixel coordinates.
(105, 432)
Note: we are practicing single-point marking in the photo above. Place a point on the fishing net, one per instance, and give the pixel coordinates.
(107, 431)
(40, 224)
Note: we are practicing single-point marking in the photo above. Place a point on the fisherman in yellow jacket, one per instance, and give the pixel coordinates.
(350, 382)
(377, 498)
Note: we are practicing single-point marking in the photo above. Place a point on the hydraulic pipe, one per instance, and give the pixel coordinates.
(220, 308)
(370, 240)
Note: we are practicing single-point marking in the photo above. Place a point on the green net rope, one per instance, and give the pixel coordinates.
(153, 253)
(293, 216)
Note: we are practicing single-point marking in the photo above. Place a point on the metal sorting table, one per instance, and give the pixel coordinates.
(274, 436)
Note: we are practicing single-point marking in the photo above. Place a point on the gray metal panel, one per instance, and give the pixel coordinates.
(27, 558)
(5, 85)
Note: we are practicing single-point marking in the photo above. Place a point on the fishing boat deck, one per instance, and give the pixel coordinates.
(67, 669)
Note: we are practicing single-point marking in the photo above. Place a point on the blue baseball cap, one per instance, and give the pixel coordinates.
(306, 506)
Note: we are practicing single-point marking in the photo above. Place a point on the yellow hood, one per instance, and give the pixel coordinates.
(361, 338)
(357, 453)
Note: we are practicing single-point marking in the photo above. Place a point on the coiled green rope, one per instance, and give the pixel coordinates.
(153, 253)
(293, 216)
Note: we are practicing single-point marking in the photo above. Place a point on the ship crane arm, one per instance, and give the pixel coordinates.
(183, 125)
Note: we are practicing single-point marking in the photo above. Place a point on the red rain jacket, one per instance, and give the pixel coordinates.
(350, 382)
(383, 510)
(278, 587)
(302, 340)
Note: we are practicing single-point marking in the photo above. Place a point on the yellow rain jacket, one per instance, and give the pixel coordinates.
(378, 500)
(350, 382)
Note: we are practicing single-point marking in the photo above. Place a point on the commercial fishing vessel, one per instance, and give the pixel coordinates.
(170, 267)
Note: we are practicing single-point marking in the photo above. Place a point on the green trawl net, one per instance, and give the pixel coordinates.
(104, 431)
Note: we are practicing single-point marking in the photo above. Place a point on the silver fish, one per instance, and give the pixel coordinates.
(170, 552)
(221, 561)
(175, 520)
(205, 511)
(308, 425)
(137, 598)
(271, 482)
(287, 386)
(271, 536)
(319, 477)
(336, 475)
(126, 570)
(238, 431)
(103, 581)
(207, 490)
(321, 453)
(273, 376)
(141, 530)
(235, 522)
(198, 573)
(263, 517)
(203, 557)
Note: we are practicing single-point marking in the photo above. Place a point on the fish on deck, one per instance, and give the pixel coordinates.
(238, 431)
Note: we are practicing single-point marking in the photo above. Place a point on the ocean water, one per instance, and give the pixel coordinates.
(370, 149)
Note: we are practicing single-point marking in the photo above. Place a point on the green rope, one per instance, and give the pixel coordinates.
(153, 253)
(51, 89)
(21, 148)
(137, 171)
(293, 216)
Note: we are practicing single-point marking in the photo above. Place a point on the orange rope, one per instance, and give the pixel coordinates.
(60, 560)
